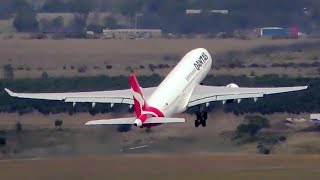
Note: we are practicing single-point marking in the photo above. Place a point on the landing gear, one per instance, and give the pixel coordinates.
(196, 123)
(202, 117)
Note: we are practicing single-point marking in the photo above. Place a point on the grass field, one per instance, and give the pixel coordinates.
(164, 166)
(31, 58)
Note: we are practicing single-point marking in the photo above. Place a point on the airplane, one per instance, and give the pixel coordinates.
(180, 90)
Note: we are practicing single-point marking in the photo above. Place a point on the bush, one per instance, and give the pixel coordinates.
(152, 67)
(38, 36)
(282, 138)
(82, 69)
(3, 141)
(264, 150)
(108, 67)
(58, 123)
(255, 124)
(18, 127)
(44, 75)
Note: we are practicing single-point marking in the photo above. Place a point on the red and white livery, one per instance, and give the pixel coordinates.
(180, 90)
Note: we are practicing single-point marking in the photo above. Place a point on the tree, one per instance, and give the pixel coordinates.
(25, 20)
(83, 8)
(255, 124)
(55, 6)
(6, 8)
(111, 23)
(57, 22)
(58, 123)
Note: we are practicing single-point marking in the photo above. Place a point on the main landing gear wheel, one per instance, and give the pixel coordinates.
(196, 123)
(204, 123)
(201, 119)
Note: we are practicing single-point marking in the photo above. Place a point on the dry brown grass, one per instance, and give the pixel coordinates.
(165, 166)
(52, 55)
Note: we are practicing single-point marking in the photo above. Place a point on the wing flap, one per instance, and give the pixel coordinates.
(205, 94)
(223, 98)
(113, 96)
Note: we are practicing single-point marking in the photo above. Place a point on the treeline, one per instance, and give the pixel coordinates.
(166, 13)
(296, 102)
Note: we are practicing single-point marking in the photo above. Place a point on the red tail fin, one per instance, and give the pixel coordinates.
(139, 101)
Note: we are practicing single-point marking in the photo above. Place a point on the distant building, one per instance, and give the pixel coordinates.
(315, 117)
(193, 11)
(220, 11)
(200, 11)
(278, 32)
(131, 33)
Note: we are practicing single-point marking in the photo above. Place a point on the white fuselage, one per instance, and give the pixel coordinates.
(173, 94)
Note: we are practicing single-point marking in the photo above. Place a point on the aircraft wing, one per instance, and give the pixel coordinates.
(205, 94)
(115, 96)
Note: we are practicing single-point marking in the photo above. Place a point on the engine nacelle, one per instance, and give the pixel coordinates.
(137, 123)
(231, 85)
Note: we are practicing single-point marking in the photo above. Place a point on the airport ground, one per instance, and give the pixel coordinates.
(31, 58)
(162, 166)
(179, 151)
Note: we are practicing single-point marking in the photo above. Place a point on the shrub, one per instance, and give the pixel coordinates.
(282, 138)
(108, 67)
(152, 67)
(82, 69)
(44, 75)
(264, 150)
(255, 124)
(38, 36)
(58, 123)
(3, 141)
(18, 127)
(141, 66)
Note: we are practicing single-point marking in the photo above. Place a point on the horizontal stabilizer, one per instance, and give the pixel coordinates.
(112, 121)
(119, 121)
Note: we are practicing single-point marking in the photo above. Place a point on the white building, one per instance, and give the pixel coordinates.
(315, 117)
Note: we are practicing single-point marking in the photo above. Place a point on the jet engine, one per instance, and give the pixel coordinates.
(137, 123)
(231, 85)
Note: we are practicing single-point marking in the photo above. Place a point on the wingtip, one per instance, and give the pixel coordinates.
(88, 123)
(8, 91)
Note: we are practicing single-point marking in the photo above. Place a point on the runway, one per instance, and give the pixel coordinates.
(165, 166)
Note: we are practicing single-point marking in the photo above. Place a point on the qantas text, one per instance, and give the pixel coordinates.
(200, 61)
